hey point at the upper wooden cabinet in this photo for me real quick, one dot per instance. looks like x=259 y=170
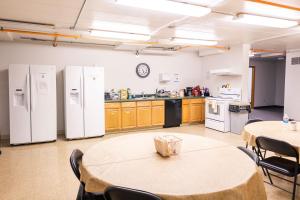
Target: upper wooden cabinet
x=128 y=115
x=112 y=116
x=158 y=113
x=143 y=114
x=193 y=110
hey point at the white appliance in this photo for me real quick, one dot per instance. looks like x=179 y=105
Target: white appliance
x=32 y=103
x=84 y=102
x=217 y=115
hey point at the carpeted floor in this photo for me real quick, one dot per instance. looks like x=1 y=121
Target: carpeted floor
x=271 y=113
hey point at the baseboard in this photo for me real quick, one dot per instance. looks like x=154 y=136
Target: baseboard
x=271 y=106
x=6 y=136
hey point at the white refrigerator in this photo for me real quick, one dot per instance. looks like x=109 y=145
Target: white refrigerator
x=32 y=103
x=84 y=101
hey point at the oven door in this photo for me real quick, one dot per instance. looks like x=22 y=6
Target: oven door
x=215 y=112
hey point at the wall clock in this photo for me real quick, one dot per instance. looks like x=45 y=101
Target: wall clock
x=142 y=70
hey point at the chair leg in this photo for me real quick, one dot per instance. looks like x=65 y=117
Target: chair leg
x=246 y=144
x=295 y=187
x=269 y=177
x=265 y=153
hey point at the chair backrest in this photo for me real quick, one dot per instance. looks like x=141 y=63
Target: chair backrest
x=253 y=121
x=277 y=146
x=121 y=193
x=250 y=153
x=75 y=159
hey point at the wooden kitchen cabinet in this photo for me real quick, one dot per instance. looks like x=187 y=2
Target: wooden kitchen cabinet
x=128 y=115
x=112 y=116
x=185 y=118
x=144 y=114
x=158 y=113
x=193 y=110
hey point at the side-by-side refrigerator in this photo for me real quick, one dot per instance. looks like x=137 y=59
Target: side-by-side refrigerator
x=84 y=101
x=32 y=103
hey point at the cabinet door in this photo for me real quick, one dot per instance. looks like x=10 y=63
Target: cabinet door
x=158 y=115
x=143 y=116
x=112 y=119
x=128 y=117
x=185 y=113
x=203 y=112
x=196 y=112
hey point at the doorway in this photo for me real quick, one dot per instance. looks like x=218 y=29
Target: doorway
x=266 y=88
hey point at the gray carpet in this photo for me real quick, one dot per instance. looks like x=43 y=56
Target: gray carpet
x=267 y=113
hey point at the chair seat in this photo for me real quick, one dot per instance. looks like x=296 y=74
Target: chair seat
x=280 y=165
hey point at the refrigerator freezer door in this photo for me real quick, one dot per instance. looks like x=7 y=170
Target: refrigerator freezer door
x=43 y=103
x=74 y=102
x=19 y=104
x=93 y=101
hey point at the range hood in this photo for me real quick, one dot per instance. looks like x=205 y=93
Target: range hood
x=224 y=72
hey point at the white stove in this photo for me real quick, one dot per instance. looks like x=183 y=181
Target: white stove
x=217 y=115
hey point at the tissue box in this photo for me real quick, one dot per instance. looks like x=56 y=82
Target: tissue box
x=167 y=145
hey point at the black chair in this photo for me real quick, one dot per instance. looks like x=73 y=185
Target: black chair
x=121 y=193
x=279 y=164
x=251 y=154
x=75 y=159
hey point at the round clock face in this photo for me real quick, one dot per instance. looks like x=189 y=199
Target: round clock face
x=142 y=70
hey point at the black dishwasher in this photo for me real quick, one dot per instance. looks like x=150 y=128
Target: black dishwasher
x=173 y=109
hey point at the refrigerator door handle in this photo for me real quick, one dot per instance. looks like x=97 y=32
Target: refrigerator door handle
x=27 y=91
x=32 y=94
x=81 y=92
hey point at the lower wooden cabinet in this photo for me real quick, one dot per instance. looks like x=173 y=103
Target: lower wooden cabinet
x=128 y=115
x=185 y=111
x=158 y=113
x=112 y=116
x=144 y=114
x=193 y=110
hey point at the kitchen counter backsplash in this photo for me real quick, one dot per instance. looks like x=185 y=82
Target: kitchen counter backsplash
x=151 y=99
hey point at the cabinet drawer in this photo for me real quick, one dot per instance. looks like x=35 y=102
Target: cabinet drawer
x=185 y=101
x=197 y=100
x=158 y=103
x=112 y=105
x=128 y=105
x=143 y=103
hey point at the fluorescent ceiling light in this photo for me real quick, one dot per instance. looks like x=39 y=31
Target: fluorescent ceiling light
x=168 y=6
x=182 y=41
x=265 y=21
x=195 y=35
x=269 y=10
x=209 y=3
x=123 y=36
x=120 y=27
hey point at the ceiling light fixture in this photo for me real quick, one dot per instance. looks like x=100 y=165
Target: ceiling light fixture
x=182 y=41
x=120 y=27
x=167 y=6
x=195 y=35
x=259 y=7
x=265 y=21
x=122 y=36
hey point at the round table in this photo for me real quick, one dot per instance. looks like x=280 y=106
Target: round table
x=205 y=169
x=272 y=129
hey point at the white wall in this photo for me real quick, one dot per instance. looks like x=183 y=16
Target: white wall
x=119 y=70
x=269 y=82
x=237 y=58
x=292 y=87
x=280 y=83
